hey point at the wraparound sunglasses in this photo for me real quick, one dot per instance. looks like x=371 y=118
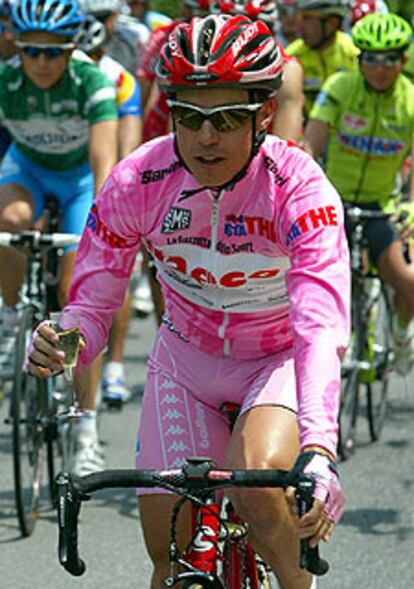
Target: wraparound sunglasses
x=224 y=118
x=50 y=51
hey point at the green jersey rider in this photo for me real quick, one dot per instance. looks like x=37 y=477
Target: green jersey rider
x=62 y=116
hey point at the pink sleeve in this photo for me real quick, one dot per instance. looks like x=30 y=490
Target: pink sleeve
x=105 y=260
x=318 y=285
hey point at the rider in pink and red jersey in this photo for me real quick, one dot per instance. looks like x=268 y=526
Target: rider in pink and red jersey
x=248 y=238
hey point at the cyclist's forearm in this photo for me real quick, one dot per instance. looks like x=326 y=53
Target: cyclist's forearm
x=130 y=135
x=103 y=150
x=316 y=137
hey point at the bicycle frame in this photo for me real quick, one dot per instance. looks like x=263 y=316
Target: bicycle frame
x=219 y=546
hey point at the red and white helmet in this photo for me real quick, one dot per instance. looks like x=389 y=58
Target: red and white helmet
x=220 y=51
x=361 y=8
x=265 y=10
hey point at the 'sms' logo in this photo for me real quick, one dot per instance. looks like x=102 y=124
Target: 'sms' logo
x=176 y=219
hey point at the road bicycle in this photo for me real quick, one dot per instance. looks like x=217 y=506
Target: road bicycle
x=219 y=555
x=368 y=362
x=36 y=405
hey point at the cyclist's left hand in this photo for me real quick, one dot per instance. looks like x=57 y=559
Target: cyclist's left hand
x=318 y=523
x=404 y=219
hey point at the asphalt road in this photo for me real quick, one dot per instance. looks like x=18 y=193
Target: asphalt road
x=373 y=547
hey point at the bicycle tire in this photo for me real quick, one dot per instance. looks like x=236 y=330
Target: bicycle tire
x=350 y=383
x=348 y=413
x=27 y=409
x=50 y=435
x=377 y=390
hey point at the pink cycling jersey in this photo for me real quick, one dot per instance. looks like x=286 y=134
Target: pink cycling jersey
x=246 y=272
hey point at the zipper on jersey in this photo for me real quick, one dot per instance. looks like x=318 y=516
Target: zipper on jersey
x=214 y=232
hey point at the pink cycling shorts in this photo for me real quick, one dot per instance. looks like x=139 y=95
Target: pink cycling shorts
x=186 y=387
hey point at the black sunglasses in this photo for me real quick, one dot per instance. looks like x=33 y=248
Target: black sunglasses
x=224 y=118
x=33 y=50
x=387 y=59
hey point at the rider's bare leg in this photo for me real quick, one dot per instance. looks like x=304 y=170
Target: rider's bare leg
x=395 y=271
x=268 y=437
x=265 y=437
x=155 y=512
x=16 y=213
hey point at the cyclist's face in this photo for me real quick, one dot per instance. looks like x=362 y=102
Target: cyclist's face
x=215 y=157
x=311 y=29
x=138 y=8
x=43 y=71
x=381 y=77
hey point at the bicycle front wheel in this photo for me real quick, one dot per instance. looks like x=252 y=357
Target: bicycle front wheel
x=27 y=412
x=377 y=390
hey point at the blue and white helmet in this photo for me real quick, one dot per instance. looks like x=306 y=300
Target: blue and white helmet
x=60 y=17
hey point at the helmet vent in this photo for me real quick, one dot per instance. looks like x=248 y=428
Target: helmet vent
x=205 y=41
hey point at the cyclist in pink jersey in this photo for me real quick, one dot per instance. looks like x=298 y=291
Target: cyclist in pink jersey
x=248 y=238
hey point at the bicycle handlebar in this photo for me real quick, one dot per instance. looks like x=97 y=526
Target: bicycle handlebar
x=355 y=213
x=71 y=492
x=37 y=240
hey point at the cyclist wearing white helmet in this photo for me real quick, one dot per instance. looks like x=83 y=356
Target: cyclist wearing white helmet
x=323 y=48
x=248 y=238
x=61 y=114
x=126 y=37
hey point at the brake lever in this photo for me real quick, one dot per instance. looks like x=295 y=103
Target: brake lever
x=69 y=502
x=309 y=557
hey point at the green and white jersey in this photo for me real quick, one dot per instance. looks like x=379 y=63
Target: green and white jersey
x=51 y=127
x=371 y=133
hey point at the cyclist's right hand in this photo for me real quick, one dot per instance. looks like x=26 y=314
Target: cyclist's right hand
x=43 y=358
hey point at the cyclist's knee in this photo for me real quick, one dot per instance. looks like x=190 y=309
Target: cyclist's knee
x=16 y=216
x=16 y=208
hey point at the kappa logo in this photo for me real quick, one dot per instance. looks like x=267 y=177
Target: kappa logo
x=176 y=220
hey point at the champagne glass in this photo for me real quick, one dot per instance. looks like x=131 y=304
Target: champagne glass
x=67 y=326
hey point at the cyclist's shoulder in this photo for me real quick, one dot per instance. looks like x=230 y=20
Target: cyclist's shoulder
x=113 y=69
x=344 y=42
x=339 y=82
x=299 y=181
x=152 y=162
x=85 y=71
x=155 y=20
x=130 y=30
x=11 y=71
x=287 y=159
x=297 y=48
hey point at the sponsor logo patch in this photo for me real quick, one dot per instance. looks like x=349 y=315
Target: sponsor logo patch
x=176 y=220
x=312 y=219
x=149 y=176
x=243 y=225
x=379 y=146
